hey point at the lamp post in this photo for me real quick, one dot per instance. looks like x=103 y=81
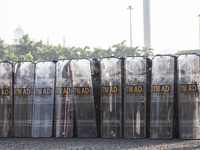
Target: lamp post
x=199 y=30
x=130 y=8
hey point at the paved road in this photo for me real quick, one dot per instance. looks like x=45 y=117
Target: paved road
x=99 y=144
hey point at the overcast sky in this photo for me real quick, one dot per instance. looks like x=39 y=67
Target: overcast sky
x=103 y=23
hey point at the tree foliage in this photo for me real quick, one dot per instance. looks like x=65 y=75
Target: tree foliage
x=29 y=50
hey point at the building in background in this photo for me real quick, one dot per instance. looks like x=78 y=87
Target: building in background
x=18 y=34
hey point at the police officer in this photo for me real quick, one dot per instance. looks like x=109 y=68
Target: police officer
x=96 y=89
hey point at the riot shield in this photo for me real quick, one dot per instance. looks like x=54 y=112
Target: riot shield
x=162 y=97
x=64 y=110
x=43 y=99
x=135 y=97
x=6 y=99
x=188 y=96
x=23 y=98
x=83 y=98
x=111 y=98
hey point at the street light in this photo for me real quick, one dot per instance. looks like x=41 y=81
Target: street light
x=130 y=8
x=199 y=30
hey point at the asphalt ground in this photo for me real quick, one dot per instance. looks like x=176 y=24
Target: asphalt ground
x=96 y=144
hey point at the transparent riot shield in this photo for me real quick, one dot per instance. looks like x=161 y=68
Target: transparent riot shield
x=23 y=98
x=111 y=99
x=83 y=98
x=188 y=96
x=64 y=110
x=6 y=99
x=135 y=97
x=162 y=97
x=43 y=99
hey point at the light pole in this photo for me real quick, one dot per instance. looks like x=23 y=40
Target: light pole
x=130 y=8
x=199 y=30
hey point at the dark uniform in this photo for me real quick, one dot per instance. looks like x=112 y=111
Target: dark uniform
x=96 y=89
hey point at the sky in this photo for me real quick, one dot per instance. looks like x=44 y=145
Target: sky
x=103 y=23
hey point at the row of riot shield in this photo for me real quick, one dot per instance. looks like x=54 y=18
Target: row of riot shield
x=35 y=110
x=109 y=98
x=175 y=97
x=33 y=99
x=30 y=113
x=125 y=85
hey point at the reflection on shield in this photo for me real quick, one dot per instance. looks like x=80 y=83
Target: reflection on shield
x=135 y=97
x=162 y=97
x=83 y=98
x=64 y=110
x=43 y=99
x=23 y=98
x=188 y=96
x=6 y=100
x=111 y=98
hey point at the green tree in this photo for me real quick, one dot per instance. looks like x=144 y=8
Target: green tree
x=147 y=51
x=132 y=51
x=11 y=57
x=28 y=57
x=83 y=52
x=25 y=46
x=2 y=49
x=98 y=53
x=121 y=50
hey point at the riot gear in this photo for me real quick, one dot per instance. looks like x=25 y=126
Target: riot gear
x=188 y=96
x=6 y=100
x=111 y=98
x=64 y=110
x=83 y=98
x=23 y=98
x=135 y=97
x=162 y=97
x=43 y=99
